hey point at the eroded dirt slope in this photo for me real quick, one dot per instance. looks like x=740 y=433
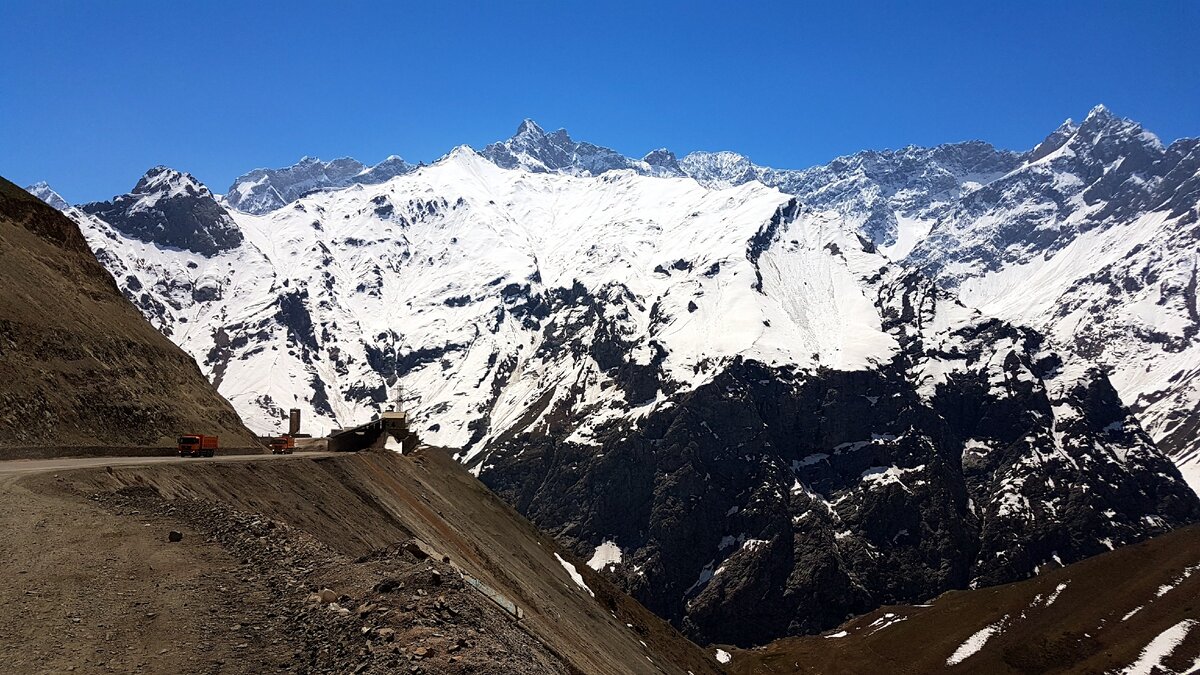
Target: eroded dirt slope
x=79 y=366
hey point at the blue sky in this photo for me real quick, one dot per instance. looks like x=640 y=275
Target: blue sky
x=93 y=94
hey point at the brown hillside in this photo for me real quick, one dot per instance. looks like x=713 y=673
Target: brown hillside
x=1098 y=615
x=365 y=510
x=79 y=366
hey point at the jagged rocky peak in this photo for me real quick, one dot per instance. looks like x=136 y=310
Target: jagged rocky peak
x=662 y=162
x=264 y=190
x=1054 y=141
x=171 y=208
x=533 y=149
x=913 y=175
x=1108 y=163
x=874 y=191
x=529 y=129
x=389 y=168
x=1094 y=229
x=1104 y=143
x=1103 y=138
x=44 y=192
x=719 y=169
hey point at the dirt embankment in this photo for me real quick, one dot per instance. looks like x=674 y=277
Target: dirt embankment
x=1096 y=616
x=401 y=544
x=79 y=366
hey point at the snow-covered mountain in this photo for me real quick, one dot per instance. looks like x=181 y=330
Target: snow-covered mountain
x=1095 y=240
x=717 y=392
x=532 y=149
x=172 y=209
x=1090 y=237
x=892 y=197
x=264 y=190
x=44 y=192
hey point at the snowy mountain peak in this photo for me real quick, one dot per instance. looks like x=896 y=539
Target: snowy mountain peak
x=1102 y=126
x=165 y=180
x=662 y=162
x=529 y=128
x=459 y=154
x=532 y=149
x=44 y=192
x=1099 y=111
x=171 y=209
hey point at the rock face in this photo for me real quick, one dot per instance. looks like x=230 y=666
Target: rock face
x=1041 y=625
x=80 y=366
x=264 y=190
x=1093 y=241
x=760 y=408
x=770 y=502
x=172 y=209
x=532 y=149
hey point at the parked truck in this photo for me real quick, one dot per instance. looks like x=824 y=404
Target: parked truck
x=197 y=445
x=282 y=445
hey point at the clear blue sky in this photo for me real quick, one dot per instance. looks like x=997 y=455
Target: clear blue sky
x=94 y=93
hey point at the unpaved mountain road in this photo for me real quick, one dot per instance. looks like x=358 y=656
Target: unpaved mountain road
x=86 y=592
x=23 y=466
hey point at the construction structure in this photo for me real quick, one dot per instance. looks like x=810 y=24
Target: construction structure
x=379 y=432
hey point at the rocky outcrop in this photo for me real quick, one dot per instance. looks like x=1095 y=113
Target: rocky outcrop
x=170 y=208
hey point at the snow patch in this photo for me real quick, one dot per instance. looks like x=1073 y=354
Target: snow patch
x=574 y=574
x=1152 y=656
x=607 y=553
x=973 y=644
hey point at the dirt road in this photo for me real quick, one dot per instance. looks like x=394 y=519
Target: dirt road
x=86 y=592
x=24 y=466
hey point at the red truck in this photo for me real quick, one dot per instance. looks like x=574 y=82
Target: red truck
x=282 y=445
x=197 y=445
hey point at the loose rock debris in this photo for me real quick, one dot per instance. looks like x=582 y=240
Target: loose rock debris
x=394 y=610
